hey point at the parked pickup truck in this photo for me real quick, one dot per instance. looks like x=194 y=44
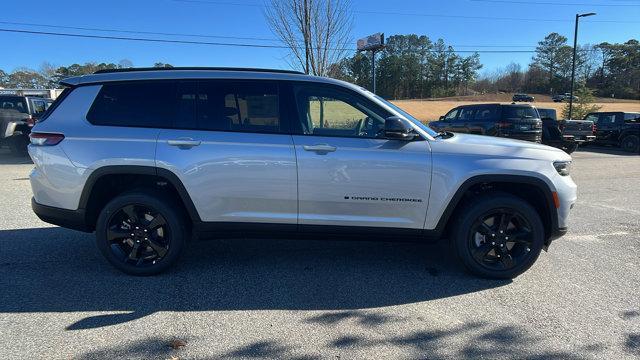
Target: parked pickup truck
x=564 y=134
x=17 y=116
x=617 y=128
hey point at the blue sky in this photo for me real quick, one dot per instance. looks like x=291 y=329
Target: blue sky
x=244 y=18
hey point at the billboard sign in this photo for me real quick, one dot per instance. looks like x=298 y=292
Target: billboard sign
x=371 y=42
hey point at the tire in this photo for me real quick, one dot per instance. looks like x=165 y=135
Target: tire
x=570 y=148
x=18 y=145
x=505 y=255
x=157 y=247
x=631 y=143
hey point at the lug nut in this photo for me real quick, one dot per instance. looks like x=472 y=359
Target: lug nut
x=528 y=249
x=493 y=243
x=506 y=238
x=500 y=231
x=501 y=245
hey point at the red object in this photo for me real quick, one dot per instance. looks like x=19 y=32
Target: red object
x=45 y=139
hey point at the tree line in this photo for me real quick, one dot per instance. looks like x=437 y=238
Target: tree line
x=48 y=76
x=412 y=66
x=611 y=70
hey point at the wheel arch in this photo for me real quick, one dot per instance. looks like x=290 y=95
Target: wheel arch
x=541 y=198
x=138 y=176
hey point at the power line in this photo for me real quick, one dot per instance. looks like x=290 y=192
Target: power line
x=552 y=3
x=138 y=32
x=400 y=13
x=207 y=35
x=189 y=42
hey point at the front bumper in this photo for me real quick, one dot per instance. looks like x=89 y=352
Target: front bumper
x=71 y=219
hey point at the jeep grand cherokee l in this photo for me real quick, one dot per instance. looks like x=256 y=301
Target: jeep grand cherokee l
x=151 y=159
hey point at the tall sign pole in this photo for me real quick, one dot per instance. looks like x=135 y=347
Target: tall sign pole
x=573 y=65
x=373 y=43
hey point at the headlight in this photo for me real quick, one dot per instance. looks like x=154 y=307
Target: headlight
x=563 y=167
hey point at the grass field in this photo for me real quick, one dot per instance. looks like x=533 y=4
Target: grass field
x=430 y=110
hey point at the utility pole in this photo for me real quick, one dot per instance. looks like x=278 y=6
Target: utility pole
x=573 y=66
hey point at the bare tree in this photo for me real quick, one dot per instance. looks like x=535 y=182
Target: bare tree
x=317 y=32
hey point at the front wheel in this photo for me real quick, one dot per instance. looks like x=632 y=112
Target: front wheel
x=141 y=233
x=631 y=143
x=498 y=236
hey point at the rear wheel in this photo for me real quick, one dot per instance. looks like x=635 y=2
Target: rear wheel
x=498 y=236
x=141 y=233
x=631 y=143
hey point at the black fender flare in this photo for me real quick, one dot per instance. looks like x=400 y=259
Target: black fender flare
x=160 y=173
x=491 y=178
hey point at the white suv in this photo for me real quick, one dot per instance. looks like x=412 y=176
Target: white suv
x=150 y=159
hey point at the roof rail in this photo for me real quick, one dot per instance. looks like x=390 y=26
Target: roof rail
x=106 y=71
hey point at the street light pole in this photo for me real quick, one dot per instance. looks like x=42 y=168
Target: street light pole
x=573 y=66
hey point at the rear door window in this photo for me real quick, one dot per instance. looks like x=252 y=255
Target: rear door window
x=485 y=113
x=135 y=104
x=238 y=106
x=466 y=114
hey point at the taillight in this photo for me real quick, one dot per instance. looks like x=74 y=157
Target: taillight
x=45 y=139
x=594 y=128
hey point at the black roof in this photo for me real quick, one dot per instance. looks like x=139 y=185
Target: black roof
x=280 y=71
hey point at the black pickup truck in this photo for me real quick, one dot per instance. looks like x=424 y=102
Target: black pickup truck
x=564 y=134
x=617 y=128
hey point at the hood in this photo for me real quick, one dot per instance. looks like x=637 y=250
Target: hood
x=491 y=146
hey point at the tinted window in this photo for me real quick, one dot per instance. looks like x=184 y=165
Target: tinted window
x=13 y=103
x=607 y=119
x=141 y=104
x=466 y=114
x=39 y=107
x=328 y=112
x=519 y=112
x=228 y=106
x=631 y=117
x=485 y=113
x=547 y=113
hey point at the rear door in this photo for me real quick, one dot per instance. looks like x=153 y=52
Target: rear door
x=232 y=150
x=348 y=173
x=484 y=120
x=464 y=121
x=607 y=126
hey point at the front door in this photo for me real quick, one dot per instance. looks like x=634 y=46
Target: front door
x=348 y=173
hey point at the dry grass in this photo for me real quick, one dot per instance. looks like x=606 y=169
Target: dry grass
x=430 y=110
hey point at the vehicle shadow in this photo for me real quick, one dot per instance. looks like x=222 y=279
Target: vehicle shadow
x=603 y=149
x=59 y=270
x=7 y=158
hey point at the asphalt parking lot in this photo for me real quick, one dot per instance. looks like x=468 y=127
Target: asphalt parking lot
x=341 y=300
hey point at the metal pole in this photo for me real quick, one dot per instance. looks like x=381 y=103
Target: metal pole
x=573 y=67
x=373 y=70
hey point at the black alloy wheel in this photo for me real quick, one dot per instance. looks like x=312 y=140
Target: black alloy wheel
x=500 y=239
x=142 y=232
x=138 y=235
x=497 y=235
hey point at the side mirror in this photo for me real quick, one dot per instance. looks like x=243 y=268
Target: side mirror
x=442 y=118
x=396 y=128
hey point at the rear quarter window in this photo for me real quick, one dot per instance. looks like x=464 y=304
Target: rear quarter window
x=135 y=104
x=519 y=112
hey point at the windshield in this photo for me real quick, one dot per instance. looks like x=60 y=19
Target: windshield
x=407 y=116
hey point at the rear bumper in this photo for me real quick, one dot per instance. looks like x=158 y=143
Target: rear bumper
x=71 y=219
x=534 y=136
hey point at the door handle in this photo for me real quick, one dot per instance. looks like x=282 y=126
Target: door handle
x=320 y=148
x=184 y=143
